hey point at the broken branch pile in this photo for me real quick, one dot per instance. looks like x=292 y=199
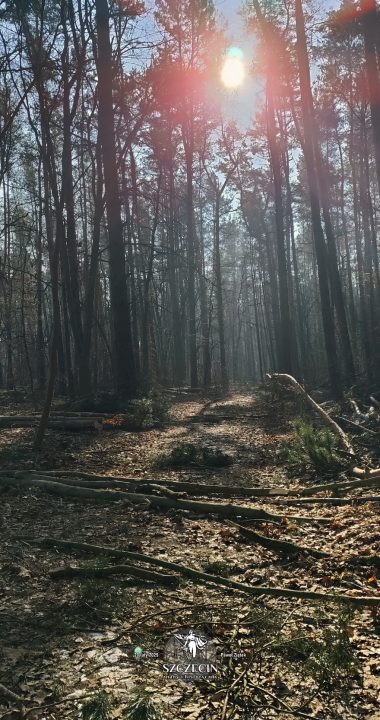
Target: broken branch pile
x=98 y=488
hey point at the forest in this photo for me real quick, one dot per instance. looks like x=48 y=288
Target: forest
x=189 y=359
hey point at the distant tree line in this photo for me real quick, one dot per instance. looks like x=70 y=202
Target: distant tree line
x=147 y=241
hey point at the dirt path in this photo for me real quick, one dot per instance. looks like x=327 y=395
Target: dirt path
x=62 y=641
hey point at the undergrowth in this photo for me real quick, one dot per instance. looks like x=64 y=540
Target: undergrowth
x=186 y=453
x=182 y=454
x=217 y=567
x=96 y=708
x=99 y=600
x=311 y=446
x=141 y=706
x=328 y=655
x=147 y=412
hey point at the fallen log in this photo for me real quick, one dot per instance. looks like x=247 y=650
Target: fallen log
x=203 y=489
x=67 y=573
x=54 y=422
x=154 y=501
x=75 y=414
x=69 y=479
x=255 y=591
x=187 y=487
x=108 y=484
x=170 y=492
x=284 y=377
x=63 y=490
x=87 y=480
x=336 y=429
x=366 y=474
x=278 y=546
x=326 y=500
x=342 y=485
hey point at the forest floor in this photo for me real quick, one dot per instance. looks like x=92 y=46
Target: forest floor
x=64 y=640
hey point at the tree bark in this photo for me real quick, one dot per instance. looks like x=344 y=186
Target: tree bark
x=370 y=29
x=311 y=160
x=219 y=295
x=191 y=263
x=285 y=330
x=124 y=366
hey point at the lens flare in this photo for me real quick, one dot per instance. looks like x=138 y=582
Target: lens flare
x=235 y=52
x=233 y=71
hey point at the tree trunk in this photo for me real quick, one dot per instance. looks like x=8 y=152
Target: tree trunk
x=364 y=326
x=219 y=295
x=70 y=248
x=179 y=364
x=124 y=366
x=307 y=108
x=92 y=274
x=370 y=30
x=285 y=331
x=191 y=266
x=204 y=313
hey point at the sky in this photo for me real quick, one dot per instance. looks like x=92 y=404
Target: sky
x=242 y=103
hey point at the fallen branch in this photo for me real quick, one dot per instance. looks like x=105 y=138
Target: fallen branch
x=364 y=416
x=336 y=429
x=189 y=488
x=70 y=572
x=257 y=590
x=327 y=500
x=360 y=428
x=371 y=560
x=172 y=488
x=104 y=481
x=285 y=708
x=284 y=377
x=366 y=474
x=79 y=481
x=63 y=490
x=153 y=501
x=343 y=485
x=278 y=546
x=76 y=414
x=10 y=695
x=72 y=698
x=374 y=401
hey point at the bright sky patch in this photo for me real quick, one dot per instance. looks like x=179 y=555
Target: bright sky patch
x=233 y=71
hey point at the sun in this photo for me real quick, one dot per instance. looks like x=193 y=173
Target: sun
x=233 y=71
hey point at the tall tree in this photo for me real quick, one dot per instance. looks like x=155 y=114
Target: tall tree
x=124 y=365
